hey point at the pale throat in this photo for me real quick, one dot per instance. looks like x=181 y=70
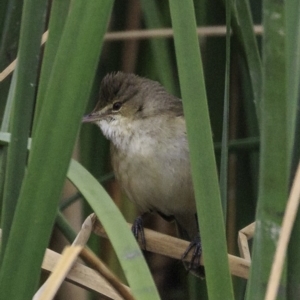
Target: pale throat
x=127 y=136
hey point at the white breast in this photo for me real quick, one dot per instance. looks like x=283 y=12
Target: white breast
x=151 y=163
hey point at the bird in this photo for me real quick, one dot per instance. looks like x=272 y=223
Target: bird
x=149 y=153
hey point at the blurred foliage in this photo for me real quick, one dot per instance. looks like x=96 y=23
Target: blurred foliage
x=155 y=58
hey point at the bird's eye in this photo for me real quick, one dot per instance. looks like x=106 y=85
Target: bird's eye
x=117 y=106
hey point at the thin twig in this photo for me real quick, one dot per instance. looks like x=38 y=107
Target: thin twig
x=141 y=34
x=48 y=290
x=66 y=261
x=94 y=262
x=244 y=235
x=9 y=69
x=168 y=33
x=82 y=276
x=173 y=247
x=284 y=237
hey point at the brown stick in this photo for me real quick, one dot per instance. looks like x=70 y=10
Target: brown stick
x=52 y=284
x=245 y=234
x=173 y=247
x=141 y=34
x=82 y=276
x=94 y=262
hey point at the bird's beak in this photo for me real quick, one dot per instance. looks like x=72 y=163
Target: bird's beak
x=92 y=117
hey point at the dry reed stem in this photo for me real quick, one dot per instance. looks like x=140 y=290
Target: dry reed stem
x=91 y=259
x=173 y=247
x=82 y=276
x=140 y=34
x=284 y=237
x=61 y=270
x=85 y=232
x=59 y=273
x=48 y=290
x=244 y=235
x=94 y=262
x=9 y=69
x=168 y=33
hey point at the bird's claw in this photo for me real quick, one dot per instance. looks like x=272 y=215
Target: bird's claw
x=138 y=231
x=196 y=245
x=194 y=264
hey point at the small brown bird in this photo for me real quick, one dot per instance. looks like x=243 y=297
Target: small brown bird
x=149 y=152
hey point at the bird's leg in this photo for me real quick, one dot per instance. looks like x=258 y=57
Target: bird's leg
x=138 y=230
x=194 y=265
x=196 y=245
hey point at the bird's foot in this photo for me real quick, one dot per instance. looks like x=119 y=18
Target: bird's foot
x=194 y=265
x=138 y=231
x=196 y=245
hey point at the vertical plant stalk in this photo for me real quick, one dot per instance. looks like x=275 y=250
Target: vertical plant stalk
x=293 y=265
x=160 y=49
x=3 y=150
x=243 y=27
x=203 y=164
x=23 y=100
x=58 y=15
x=65 y=98
x=224 y=151
x=293 y=65
x=10 y=16
x=293 y=112
x=273 y=181
x=285 y=233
